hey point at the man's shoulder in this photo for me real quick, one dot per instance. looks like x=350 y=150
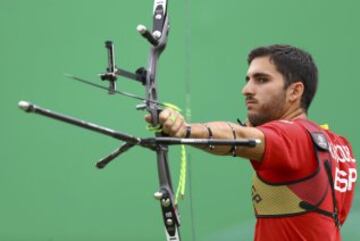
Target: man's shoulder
x=286 y=126
x=285 y=133
x=295 y=131
x=302 y=124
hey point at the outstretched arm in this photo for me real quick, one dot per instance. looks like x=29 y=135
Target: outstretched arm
x=173 y=124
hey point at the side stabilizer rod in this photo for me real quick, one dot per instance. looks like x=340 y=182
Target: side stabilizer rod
x=106 y=160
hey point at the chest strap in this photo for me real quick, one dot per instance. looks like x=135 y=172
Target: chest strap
x=309 y=194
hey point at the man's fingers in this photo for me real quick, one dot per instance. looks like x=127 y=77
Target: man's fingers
x=173 y=124
x=179 y=122
x=171 y=121
x=181 y=132
x=164 y=115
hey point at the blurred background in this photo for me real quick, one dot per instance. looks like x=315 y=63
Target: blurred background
x=50 y=189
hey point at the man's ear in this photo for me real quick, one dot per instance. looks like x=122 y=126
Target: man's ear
x=295 y=91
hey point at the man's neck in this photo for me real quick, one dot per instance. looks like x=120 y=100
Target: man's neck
x=293 y=114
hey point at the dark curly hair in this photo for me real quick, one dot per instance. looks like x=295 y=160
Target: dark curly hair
x=295 y=65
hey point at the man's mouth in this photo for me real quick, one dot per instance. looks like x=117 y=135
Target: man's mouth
x=250 y=102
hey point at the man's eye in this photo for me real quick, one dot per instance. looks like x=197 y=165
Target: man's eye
x=262 y=80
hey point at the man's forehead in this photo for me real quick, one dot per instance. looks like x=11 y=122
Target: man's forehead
x=262 y=65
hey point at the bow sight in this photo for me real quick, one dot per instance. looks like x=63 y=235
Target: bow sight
x=159 y=144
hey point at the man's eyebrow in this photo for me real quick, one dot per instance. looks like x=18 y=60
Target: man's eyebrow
x=257 y=75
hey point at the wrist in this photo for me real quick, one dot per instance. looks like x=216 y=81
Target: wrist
x=187 y=131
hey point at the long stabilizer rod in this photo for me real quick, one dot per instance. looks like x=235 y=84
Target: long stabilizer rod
x=132 y=140
x=31 y=108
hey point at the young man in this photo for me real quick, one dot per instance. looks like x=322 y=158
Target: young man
x=304 y=174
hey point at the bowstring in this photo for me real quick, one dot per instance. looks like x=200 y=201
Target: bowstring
x=187 y=23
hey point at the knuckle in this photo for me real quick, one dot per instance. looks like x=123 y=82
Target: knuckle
x=164 y=114
x=166 y=125
x=165 y=129
x=174 y=129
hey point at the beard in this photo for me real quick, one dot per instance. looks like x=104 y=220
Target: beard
x=267 y=112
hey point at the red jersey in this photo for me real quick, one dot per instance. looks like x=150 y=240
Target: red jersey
x=289 y=156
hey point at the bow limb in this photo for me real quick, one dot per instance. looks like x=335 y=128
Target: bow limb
x=165 y=193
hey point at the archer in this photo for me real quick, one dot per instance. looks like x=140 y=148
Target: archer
x=304 y=178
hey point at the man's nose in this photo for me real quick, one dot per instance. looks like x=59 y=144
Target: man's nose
x=248 y=89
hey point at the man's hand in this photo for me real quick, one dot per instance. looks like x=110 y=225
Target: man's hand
x=172 y=122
